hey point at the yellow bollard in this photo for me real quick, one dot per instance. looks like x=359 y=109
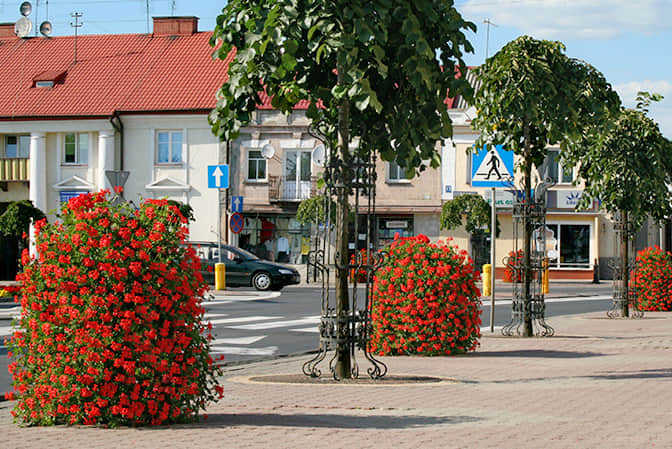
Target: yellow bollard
x=487 y=273
x=544 y=278
x=220 y=276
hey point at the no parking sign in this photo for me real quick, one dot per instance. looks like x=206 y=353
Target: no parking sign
x=236 y=223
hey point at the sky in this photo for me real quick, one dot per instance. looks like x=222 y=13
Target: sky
x=630 y=42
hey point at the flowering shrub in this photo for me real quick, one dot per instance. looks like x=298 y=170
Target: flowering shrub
x=514 y=260
x=361 y=272
x=425 y=300
x=653 y=279
x=111 y=331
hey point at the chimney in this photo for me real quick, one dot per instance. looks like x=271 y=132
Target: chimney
x=7 y=31
x=185 y=25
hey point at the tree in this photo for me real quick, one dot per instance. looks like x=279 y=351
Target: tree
x=629 y=172
x=314 y=210
x=368 y=69
x=16 y=220
x=473 y=209
x=533 y=96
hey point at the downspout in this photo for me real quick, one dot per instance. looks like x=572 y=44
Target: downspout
x=119 y=127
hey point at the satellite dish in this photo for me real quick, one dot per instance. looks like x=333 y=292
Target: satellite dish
x=268 y=151
x=23 y=26
x=26 y=8
x=318 y=155
x=45 y=28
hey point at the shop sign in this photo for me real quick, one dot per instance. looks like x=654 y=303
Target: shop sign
x=568 y=199
x=398 y=224
x=504 y=198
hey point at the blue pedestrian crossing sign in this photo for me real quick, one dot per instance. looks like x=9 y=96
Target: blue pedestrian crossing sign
x=237 y=204
x=492 y=167
x=218 y=176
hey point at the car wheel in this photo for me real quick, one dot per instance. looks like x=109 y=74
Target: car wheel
x=261 y=281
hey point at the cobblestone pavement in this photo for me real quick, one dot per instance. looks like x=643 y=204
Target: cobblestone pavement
x=598 y=383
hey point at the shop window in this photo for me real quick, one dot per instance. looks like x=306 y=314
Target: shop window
x=17 y=146
x=568 y=245
x=277 y=238
x=388 y=227
x=256 y=166
x=169 y=147
x=558 y=172
x=76 y=149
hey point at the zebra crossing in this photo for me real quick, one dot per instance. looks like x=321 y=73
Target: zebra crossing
x=252 y=345
x=222 y=325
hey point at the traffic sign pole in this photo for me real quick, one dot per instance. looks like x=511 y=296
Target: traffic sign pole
x=493 y=233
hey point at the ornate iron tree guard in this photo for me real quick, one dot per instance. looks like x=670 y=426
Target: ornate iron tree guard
x=625 y=290
x=353 y=329
x=531 y=303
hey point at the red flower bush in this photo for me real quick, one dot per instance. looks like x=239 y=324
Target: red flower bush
x=359 y=274
x=111 y=331
x=653 y=279
x=510 y=272
x=425 y=300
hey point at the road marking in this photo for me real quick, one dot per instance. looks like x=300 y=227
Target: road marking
x=312 y=329
x=241 y=298
x=486 y=300
x=242 y=319
x=6 y=331
x=236 y=341
x=231 y=350
x=276 y=324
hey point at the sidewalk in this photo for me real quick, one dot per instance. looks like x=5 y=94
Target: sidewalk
x=598 y=383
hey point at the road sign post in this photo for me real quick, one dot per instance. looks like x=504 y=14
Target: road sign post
x=218 y=178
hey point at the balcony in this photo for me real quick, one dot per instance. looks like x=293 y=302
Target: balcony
x=282 y=189
x=14 y=169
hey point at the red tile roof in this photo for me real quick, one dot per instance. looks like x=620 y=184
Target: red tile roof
x=131 y=73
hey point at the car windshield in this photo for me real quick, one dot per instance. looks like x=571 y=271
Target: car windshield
x=244 y=254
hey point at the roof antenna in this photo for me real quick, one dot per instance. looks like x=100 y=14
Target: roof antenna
x=487 y=35
x=76 y=25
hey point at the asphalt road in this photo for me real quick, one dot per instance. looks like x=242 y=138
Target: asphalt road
x=283 y=323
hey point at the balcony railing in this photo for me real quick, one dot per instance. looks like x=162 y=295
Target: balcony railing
x=14 y=169
x=285 y=189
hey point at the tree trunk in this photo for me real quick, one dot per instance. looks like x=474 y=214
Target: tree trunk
x=343 y=364
x=527 y=237
x=625 y=273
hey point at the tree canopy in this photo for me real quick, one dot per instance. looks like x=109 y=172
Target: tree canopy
x=631 y=169
x=533 y=96
x=17 y=218
x=385 y=53
x=473 y=209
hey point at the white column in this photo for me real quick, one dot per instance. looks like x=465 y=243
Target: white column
x=38 y=171
x=38 y=177
x=105 y=157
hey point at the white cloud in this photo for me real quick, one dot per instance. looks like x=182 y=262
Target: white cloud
x=574 y=19
x=661 y=111
x=628 y=91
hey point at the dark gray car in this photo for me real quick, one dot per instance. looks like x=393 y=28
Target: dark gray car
x=244 y=269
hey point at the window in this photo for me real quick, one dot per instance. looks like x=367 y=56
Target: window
x=17 y=146
x=169 y=147
x=256 y=166
x=556 y=171
x=395 y=172
x=76 y=149
x=568 y=245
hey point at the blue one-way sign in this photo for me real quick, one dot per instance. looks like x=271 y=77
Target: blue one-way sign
x=237 y=204
x=218 y=176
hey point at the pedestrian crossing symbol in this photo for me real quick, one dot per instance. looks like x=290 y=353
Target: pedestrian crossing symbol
x=492 y=167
